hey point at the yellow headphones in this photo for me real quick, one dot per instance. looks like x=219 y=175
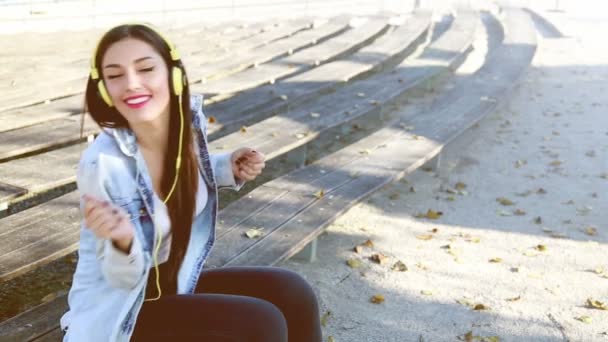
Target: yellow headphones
x=177 y=86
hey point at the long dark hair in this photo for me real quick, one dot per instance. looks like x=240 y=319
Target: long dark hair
x=181 y=205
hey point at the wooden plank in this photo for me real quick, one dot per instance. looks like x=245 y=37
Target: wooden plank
x=34 y=323
x=345 y=43
x=39 y=137
x=8 y=192
x=55 y=335
x=39 y=235
x=230 y=217
x=43 y=171
x=27 y=116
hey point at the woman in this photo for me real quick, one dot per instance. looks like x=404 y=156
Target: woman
x=149 y=199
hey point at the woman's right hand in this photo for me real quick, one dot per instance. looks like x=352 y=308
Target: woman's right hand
x=108 y=221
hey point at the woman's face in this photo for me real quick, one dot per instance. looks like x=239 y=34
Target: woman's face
x=136 y=76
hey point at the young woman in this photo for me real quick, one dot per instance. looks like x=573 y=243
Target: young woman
x=149 y=199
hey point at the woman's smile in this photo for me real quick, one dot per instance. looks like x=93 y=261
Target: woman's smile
x=137 y=101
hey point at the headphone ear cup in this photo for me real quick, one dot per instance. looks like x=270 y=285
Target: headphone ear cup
x=178 y=81
x=103 y=92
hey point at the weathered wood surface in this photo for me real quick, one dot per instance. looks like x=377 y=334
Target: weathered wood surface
x=35 y=323
x=299 y=61
x=267 y=100
x=286 y=131
x=269 y=51
x=360 y=169
x=43 y=136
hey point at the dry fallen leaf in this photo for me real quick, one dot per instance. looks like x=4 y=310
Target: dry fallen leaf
x=504 y=201
x=365 y=151
x=514 y=299
x=331 y=339
x=430 y=214
x=353 y=263
x=244 y=129
x=212 y=120
x=538 y=220
x=319 y=194
x=325 y=317
x=254 y=233
x=479 y=307
x=460 y=186
x=358 y=249
x=495 y=260
x=377 y=299
x=368 y=243
x=541 y=248
x=426 y=292
x=379 y=258
x=592 y=231
x=584 y=319
x=399 y=266
x=596 y=304
x=519 y=212
x=424 y=237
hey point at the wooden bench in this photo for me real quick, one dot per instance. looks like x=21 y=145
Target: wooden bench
x=66 y=160
x=64 y=240
x=249 y=106
x=35 y=138
x=287 y=208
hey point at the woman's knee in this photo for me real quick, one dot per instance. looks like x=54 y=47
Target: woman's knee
x=298 y=286
x=265 y=322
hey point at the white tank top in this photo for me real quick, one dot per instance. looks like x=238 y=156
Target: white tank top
x=163 y=223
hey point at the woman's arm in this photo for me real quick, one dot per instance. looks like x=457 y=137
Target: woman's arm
x=117 y=248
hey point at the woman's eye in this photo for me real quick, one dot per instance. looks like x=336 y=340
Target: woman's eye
x=111 y=77
x=147 y=69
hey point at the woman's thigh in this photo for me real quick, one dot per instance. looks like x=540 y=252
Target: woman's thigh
x=287 y=290
x=211 y=318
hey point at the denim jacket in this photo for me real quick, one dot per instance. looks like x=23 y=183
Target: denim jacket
x=104 y=301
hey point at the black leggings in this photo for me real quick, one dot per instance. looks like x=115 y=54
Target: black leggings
x=233 y=304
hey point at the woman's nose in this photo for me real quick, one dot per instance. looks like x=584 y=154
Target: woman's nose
x=133 y=80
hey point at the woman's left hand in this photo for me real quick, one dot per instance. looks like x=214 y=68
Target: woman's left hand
x=247 y=163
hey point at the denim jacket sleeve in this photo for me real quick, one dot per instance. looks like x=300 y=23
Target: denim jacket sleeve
x=220 y=162
x=119 y=269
